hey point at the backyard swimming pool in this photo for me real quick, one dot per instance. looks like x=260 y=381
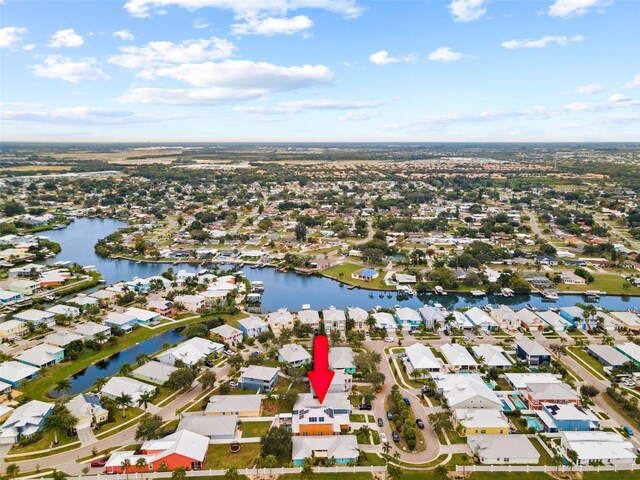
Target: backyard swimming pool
x=518 y=403
x=505 y=406
x=531 y=423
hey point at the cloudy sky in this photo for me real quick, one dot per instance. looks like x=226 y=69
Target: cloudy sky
x=320 y=70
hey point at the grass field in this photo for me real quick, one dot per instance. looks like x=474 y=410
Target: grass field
x=588 y=359
x=37 y=168
x=343 y=274
x=254 y=429
x=219 y=456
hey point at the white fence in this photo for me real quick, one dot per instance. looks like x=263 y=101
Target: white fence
x=546 y=468
x=219 y=473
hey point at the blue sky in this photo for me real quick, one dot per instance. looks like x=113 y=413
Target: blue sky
x=320 y=70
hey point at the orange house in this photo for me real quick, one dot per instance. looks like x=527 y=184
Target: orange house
x=319 y=421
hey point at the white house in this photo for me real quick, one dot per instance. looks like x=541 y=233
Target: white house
x=293 y=355
x=118 y=386
x=420 y=357
x=466 y=391
x=458 y=357
x=227 y=334
x=25 y=421
x=190 y=351
x=503 y=449
x=481 y=319
x=89 y=330
x=599 y=446
x=252 y=326
x=36 y=317
x=491 y=356
x=385 y=321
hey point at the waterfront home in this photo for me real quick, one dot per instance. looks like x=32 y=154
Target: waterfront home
x=539 y=393
x=365 y=274
x=481 y=319
x=432 y=317
x=530 y=320
x=554 y=320
x=519 y=381
x=628 y=320
x=118 y=386
x=143 y=317
x=310 y=318
x=458 y=357
x=607 y=355
x=226 y=334
x=25 y=421
x=385 y=321
x=481 y=421
x=256 y=377
x=90 y=330
x=460 y=320
x=14 y=373
x=36 y=317
x=503 y=449
x=341 y=360
x=24 y=287
x=359 y=317
x=161 y=306
x=408 y=318
x=342 y=448
x=83 y=300
x=88 y=409
x=293 y=355
x=319 y=420
x=180 y=449
x=532 y=352
x=65 y=310
x=565 y=417
x=243 y=406
x=9 y=298
x=26 y=270
x=191 y=303
x=466 y=391
x=214 y=428
x=491 y=355
x=505 y=317
x=105 y=297
x=120 y=320
x=154 y=372
x=41 y=356
x=13 y=328
x=252 y=326
x=574 y=315
x=631 y=351
x=420 y=357
x=334 y=319
x=280 y=319
x=190 y=352
x=63 y=338
x=609 y=448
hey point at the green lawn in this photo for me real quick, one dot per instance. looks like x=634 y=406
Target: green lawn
x=254 y=429
x=588 y=359
x=545 y=458
x=357 y=417
x=219 y=456
x=45 y=443
x=328 y=476
x=343 y=273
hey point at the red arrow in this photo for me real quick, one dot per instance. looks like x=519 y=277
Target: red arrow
x=320 y=376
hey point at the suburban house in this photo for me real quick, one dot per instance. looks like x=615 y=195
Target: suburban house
x=458 y=357
x=532 y=352
x=118 y=386
x=530 y=320
x=190 y=352
x=25 y=287
x=609 y=448
x=104 y=297
x=491 y=355
x=467 y=392
x=481 y=421
x=66 y=310
x=36 y=317
x=14 y=373
x=343 y=448
x=341 y=360
x=432 y=317
x=90 y=330
x=566 y=417
x=420 y=357
x=191 y=303
x=9 y=298
x=42 y=355
x=628 y=320
x=237 y=405
x=120 y=320
x=631 y=351
x=553 y=320
x=520 y=381
x=83 y=300
x=319 y=421
x=13 y=328
x=365 y=274
x=539 y=393
x=503 y=449
x=88 y=409
x=214 y=428
x=180 y=449
x=607 y=355
x=256 y=377
x=293 y=355
x=309 y=317
x=460 y=320
x=574 y=315
x=227 y=334
x=154 y=372
x=385 y=321
x=252 y=326
x=63 y=338
x=280 y=319
x=359 y=317
x=163 y=307
x=340 y=383
x=505 y=317
x=481 y=319
x=334 y=319
x=408 y=318
x=25 y=421
x=143 y=317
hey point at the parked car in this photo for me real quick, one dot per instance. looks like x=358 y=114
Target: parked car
x=380 y=422
x=424 y=389
x=395 y=435
x=406 y=401
x=420 y=424
x=208 y=363
x=98 y=463
x=627 y=430
x=389 y=414
x=365 y=406
x=402 y=355
x=255 y=352
x=383 y=438
x=389 y=340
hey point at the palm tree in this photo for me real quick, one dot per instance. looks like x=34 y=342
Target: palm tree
x=142 y=359
x=396 y=455
x=63 y=386
x=100 y=337
x=364 y=431
x=464 y=458
x=125 y=369
x=59 y=419
x=307 y=468
x=145 y=399
x=140 y=464
x=99 y=383
x=126 y=463
x=124 y=401
x=386 y=448
x=441 y=472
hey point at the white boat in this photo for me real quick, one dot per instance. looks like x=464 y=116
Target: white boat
x=306 y=306
x=550 y=295
x=439 y=290
x=507 y=292
x=477 y=293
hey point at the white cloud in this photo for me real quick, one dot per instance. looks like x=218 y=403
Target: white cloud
x=81 y=115
x=467 y=10
x=618 y=98
x=11 y=36
x=162 y=53
x=445 y=54
x=316 y=104
x=590 y=89
x=124 y=35
x=383 y=58
x=356 y=116
x=66 y=38
x=200 y=23
x=543 y=42
x=272 y=26
x=574 y=8
x=29 y=47
x=635 y=83
x=349 y=8
x=64 y=68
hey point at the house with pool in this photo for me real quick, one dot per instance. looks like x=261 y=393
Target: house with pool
x=566 y=417
x=408 y=318
x=343 y=448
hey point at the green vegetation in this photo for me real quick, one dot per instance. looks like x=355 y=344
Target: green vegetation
x=219 y=456
x=254 y=429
